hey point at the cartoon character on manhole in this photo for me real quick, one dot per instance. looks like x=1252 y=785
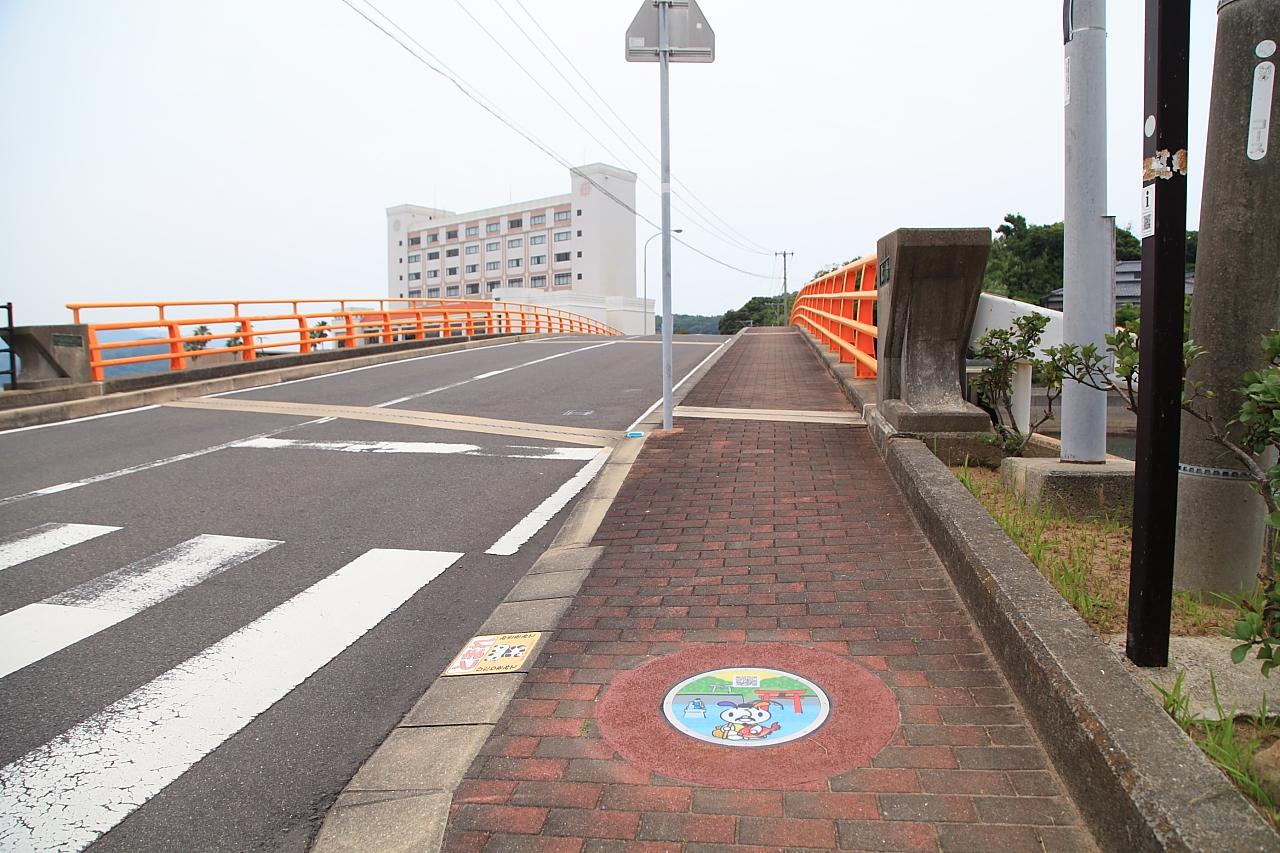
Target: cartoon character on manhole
x=746 y=706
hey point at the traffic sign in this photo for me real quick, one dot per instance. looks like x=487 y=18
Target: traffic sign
x=691 y=37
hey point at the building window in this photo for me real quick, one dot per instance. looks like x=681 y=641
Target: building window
x=537 y=239
x=433 y=256
x=564 y=278
x=413 y=259
x=473 y=230
x=473 y=268
x=473 y=249
x=493 y=245
x=515 y=282
x=515 y=243
x=562 y=216
x=493 y=285
x=400 y=260
x=562 y=256
x=401 y=242
x=451 y=253
x=452 y=290
x=561 y=236
x=493 y=265
x=579 y=253
x=431 y=238
x=579 y=276
x=451 y=271
x=473 y=288
x=415 y=276
x=414 y=294
x=402 y=278
x=537 y=259
x=514 y=263
x=414 y=241
x=579 y=233
x=514 y=223
x=492 y=227
x=433 y=273
x=539 y=219
x=579 y=211
x=451 y=235
x=433 y=293
x=537 y=281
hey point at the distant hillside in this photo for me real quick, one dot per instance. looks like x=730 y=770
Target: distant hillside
x=117 y=371
x=693 y=324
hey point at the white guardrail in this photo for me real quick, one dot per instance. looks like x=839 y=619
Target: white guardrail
x=998 y=312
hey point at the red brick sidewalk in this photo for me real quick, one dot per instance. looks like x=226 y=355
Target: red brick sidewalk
x=762 y=532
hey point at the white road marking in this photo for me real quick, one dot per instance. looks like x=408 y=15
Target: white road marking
x=578 y=454
x=34 y=632
x=527 y=527
x=62 y=796
x=47 y=539
x=146 y=466
x=492 y=373
x=79 y=420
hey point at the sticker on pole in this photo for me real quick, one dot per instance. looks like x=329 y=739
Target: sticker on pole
x=494 y=653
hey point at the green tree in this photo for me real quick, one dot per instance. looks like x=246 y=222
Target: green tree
x=758 y=311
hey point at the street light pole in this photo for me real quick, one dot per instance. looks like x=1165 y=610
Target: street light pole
x=645 y=298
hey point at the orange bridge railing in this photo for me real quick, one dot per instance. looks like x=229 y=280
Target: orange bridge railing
x=185 y=333
x=839 y=308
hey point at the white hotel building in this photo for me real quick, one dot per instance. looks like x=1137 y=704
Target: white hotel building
x=575 y=251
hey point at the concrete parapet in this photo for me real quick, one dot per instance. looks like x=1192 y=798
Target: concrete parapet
x=50 y=355
x=929 y=282
x=1073 y=489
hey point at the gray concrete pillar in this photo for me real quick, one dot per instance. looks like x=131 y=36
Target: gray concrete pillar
x=1237 y=299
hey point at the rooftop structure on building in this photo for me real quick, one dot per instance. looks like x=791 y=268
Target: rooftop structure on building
x=575 y=251
x=1128 y=286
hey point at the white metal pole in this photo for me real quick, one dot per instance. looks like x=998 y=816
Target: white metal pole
x=668 y=318
x=1089 y=251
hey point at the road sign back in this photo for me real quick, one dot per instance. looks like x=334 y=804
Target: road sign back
x=690 y=36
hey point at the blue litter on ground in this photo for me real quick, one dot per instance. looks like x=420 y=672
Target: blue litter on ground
x=635 y=435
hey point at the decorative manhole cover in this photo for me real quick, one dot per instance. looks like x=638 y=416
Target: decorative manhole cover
x=746 y=706
x=730 y=715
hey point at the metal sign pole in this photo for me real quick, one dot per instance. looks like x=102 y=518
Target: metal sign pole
x=668 y=318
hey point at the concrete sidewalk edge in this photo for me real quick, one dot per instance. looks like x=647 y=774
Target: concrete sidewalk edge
x=399 y=799
x=1138 y=780
x=49 y=413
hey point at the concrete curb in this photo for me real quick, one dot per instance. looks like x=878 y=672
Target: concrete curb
x=121 y=401
x=1140 y=783
x=399 y=799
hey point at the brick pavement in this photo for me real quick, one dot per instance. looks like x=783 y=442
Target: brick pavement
x=763 y=532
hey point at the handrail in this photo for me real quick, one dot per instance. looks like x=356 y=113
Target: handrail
x=310 y=324
x=839 y=307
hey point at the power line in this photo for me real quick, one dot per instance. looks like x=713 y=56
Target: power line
x=710 y=227
x=624 y=124
x=467 y=90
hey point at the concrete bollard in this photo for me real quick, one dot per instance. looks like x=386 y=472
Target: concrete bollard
x=50 y=355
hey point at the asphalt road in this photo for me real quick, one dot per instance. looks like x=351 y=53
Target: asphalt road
x=203 y=678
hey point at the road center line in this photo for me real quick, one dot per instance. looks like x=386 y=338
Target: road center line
x=67 y=793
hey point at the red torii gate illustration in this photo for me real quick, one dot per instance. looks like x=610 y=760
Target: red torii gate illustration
x=796 y=697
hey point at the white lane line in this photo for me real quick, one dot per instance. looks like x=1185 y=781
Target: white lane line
x=425 y=447
x=527 y=527
x=46 y=539
x=34 y=632
x=65 y=794
x=146 y=466
x=79 y=420
x=492 y=373
x=676 y=387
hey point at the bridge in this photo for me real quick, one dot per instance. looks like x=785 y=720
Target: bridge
x=235 y=593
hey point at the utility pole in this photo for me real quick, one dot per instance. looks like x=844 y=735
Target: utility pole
x=1088 y=272
x=1163 y=229
x=784 y=286
x=1220 y=517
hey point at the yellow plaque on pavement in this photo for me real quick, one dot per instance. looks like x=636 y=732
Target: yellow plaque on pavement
x=494 y=653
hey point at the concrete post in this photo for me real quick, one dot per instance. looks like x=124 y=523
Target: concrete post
x=1237 y=299
x=1088 y=303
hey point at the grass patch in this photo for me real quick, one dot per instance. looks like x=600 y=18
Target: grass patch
x=1087 y=560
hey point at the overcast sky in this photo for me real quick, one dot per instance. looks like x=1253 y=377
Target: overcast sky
x=178 y=149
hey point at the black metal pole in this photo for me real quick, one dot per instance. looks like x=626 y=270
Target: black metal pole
x=1163 y=229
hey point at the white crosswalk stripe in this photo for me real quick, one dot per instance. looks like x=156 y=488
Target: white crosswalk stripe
x=46 y=539
x=37 y=630
x=65 y=794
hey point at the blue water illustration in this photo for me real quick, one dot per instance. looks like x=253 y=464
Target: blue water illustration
x=701 y=712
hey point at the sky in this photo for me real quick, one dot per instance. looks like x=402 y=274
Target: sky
x=173 y=149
